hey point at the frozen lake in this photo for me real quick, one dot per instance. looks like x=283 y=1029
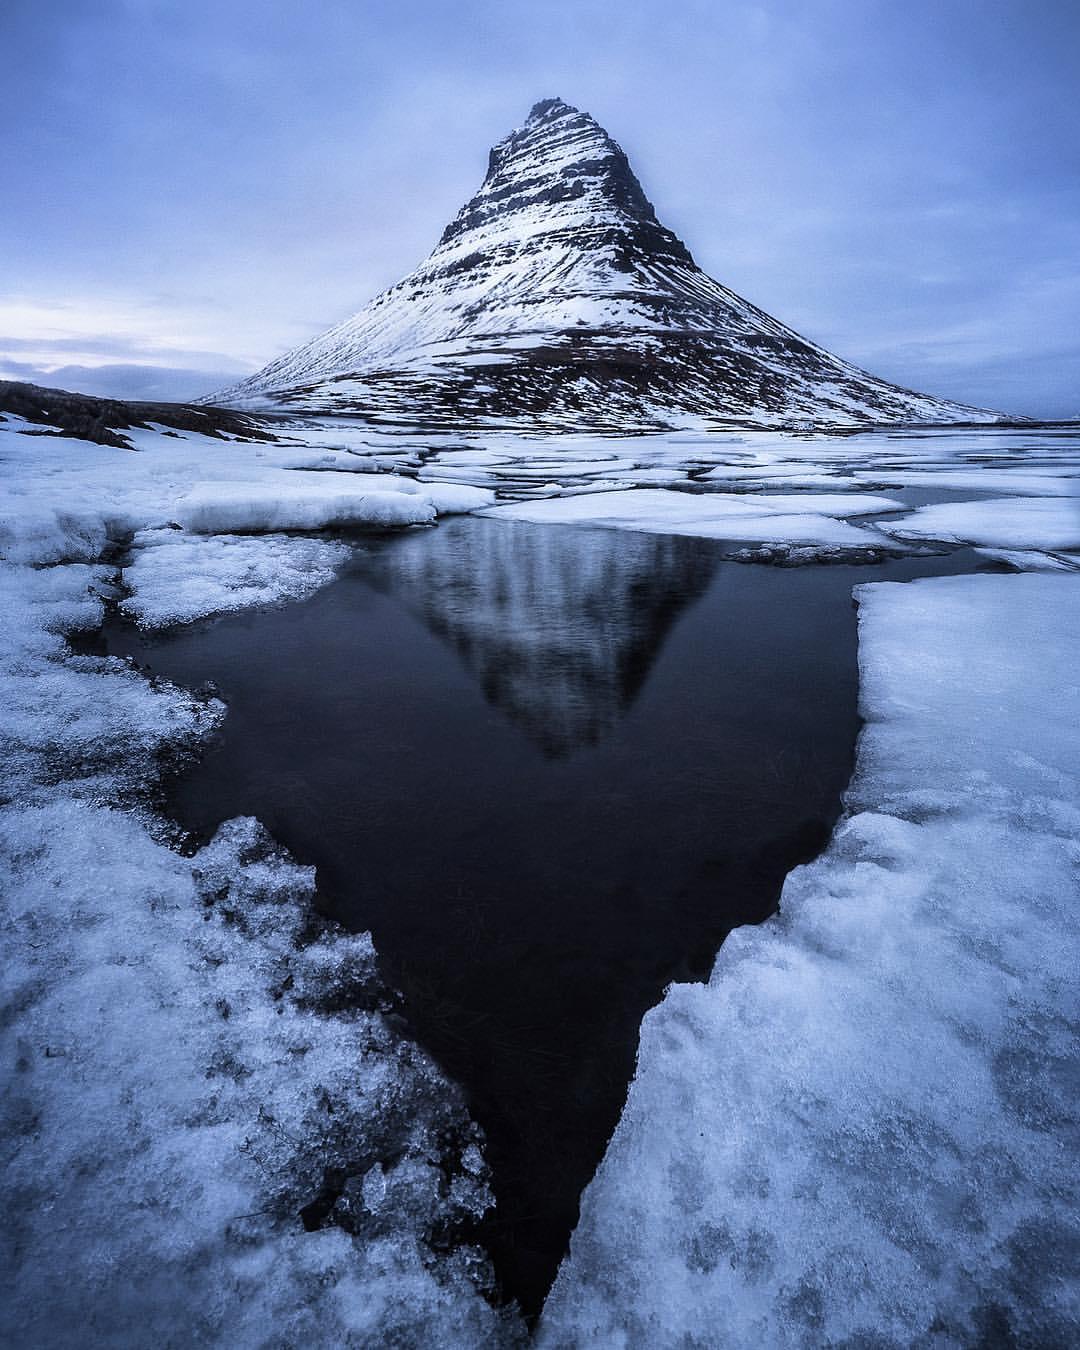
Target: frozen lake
x=549 y=769
x=548 y=754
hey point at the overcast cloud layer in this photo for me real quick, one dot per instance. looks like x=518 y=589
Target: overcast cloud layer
x=196 y=187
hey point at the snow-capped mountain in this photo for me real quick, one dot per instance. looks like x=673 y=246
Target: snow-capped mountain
x=556 y=299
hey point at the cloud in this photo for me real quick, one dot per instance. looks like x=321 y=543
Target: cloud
x=92 y=329
x=156 y=384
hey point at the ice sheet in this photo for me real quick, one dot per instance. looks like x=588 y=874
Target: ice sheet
x=1009 y=522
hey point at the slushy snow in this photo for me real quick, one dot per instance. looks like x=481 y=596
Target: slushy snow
x=175 y=577
x=863 y=1130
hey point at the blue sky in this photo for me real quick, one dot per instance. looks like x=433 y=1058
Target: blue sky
x=190 y=188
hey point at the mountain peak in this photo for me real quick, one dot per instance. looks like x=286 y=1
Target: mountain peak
x=556 y=298
x=561 y=173
x=548 y=106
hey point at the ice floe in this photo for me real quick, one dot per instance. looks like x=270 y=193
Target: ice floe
x=1045 y=523
x=227 y=508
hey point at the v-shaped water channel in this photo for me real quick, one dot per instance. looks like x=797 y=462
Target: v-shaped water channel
x=549 y=768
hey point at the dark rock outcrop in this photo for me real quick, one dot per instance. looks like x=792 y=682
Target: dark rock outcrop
x=101 y=420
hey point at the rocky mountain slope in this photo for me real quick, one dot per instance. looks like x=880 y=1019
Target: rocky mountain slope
x=556 y=299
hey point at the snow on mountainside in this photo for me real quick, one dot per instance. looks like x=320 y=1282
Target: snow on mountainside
x=556 y=299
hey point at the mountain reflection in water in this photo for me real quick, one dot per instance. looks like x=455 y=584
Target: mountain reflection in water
x=549 y=768
x=558 y=628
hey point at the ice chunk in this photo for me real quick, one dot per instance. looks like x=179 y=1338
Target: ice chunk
x=859 y=1131
x=1045 y=523
x=450 y=499
x=1032 y=560
x=175 y=577
x=256 y=507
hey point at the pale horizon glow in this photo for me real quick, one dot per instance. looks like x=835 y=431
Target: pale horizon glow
x=192 y=191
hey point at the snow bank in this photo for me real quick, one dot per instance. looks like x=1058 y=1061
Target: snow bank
x=176 y=577
x=863 y=1129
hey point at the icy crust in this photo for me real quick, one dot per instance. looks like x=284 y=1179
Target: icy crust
x=191 y=1074
x=863 y=1129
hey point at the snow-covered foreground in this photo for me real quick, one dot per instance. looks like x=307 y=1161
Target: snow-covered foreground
x=189 y=1067
x=858 y=1123
x=192 y=1059
x=863 y=1129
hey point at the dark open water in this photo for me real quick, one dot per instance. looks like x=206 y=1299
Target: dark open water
x=550 y=768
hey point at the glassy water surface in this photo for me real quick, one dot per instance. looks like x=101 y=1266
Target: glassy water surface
x=549 y=768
